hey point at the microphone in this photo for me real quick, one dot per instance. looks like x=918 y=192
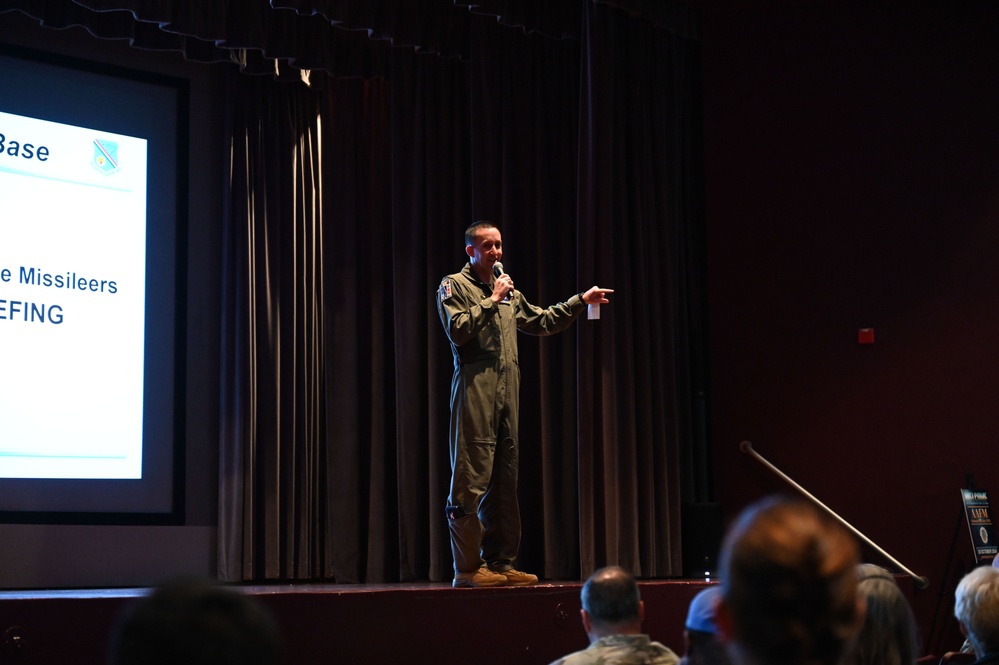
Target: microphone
x=498 y=270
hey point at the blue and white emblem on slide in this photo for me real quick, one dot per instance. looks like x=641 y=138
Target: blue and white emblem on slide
x=105 y=156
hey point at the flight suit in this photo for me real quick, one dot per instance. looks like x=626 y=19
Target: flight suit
x=482 y=508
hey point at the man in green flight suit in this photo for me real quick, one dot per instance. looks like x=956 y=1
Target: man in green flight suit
x=481 y=313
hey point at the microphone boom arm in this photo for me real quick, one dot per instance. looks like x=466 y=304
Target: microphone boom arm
x=747 y=447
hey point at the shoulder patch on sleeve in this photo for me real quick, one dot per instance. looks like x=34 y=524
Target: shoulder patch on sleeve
x=445 y=289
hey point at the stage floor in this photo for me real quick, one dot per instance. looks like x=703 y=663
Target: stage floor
x=360 y=623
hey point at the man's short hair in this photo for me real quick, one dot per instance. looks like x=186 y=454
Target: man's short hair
x=474 y=229
x=611 y=596
x=976 y=606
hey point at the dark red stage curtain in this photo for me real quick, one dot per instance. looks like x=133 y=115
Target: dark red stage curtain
x=346 y=205
x=639 y=210
x=587 y=154
x=273 y=495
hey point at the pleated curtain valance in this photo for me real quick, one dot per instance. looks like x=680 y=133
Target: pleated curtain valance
x=345 y=38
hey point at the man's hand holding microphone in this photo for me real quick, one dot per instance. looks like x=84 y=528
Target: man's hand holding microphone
x=503 y=286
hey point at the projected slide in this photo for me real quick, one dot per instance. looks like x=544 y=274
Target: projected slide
x=72 y=300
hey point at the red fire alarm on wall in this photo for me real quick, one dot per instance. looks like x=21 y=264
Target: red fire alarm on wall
x=865 y=336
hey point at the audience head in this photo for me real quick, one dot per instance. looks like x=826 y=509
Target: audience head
x=888 y=636
x=789 y=586
x=700 y=631
x=192 y=622
x=976 y=606
x=701 y=613
x=611 y=603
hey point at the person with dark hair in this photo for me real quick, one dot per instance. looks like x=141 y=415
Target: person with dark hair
x=888 y=636
x=612 y=617
x=700 y=633
x=194 y=622
x=481 y=312
x=976 y=607
x=789 y=586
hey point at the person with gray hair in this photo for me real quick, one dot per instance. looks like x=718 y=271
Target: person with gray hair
x=612 y=617
x=888 y=636
x=976 y=607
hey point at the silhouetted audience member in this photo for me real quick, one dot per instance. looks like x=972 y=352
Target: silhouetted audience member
x=976 y=607
x=194 y=622
x=700 y=634
x=789 y=586
x=888 y=636
x=612 y=616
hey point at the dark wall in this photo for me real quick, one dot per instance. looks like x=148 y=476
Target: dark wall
x=852 y=167
x=68 y=556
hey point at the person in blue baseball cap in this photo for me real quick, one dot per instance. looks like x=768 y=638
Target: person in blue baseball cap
x=700 y=635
